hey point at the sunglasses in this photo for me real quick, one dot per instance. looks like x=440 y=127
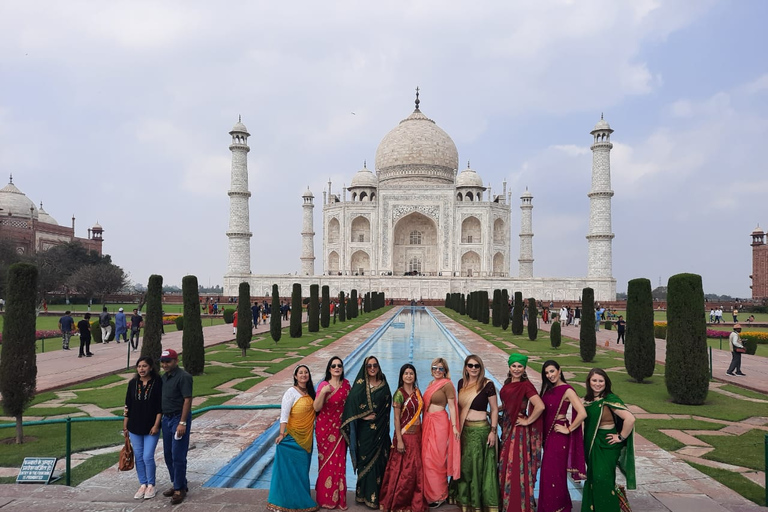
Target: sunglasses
x=438 y=369
x=337 y=365
x=471 y=365
x=372 y=365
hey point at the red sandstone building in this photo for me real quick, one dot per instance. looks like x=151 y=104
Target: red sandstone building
x=30 y=229
x=759 y=265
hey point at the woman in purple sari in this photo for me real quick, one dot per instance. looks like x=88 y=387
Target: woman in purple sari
x=563 y=440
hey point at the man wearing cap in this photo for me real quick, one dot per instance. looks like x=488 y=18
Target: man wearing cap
x=136 y=321
x=177 y=421
x=121 y=326
x=737 y=348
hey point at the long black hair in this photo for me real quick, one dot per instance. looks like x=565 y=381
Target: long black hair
x=546 y=385
x=407 y=366
x=152 y=370
x=328 y=369
x=310 y=386
x=590 y=396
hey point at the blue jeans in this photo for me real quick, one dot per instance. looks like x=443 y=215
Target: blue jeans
x=175 y=452
x=144 y=453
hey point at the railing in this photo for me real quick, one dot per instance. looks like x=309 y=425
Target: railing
x=68 y=422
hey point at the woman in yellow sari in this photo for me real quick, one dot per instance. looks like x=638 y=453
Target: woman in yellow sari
x=289 y=489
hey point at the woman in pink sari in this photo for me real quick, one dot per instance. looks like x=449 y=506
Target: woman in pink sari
x=563 y=440
x=441 y=451
x=331 y=486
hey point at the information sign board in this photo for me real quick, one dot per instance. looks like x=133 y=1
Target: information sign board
x=36 y=470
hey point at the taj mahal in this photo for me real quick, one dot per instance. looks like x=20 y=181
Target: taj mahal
x=417 y=228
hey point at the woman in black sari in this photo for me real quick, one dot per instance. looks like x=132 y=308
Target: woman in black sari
x=365 y=426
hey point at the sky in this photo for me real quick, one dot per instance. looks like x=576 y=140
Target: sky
x=119 y=112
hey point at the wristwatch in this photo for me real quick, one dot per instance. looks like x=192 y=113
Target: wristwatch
x=185 y=424
x=620 y=438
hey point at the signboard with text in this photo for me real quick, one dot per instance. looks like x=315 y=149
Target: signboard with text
x=36 y=470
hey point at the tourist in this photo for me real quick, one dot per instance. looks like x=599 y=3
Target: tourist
x=366 y=422
x=478 y=486
x=520 y=438
x=331 y=396
x=719 y=315
x=620 y=327
x=234 y=323
x=403 y=486
x=255 y=313
x=737 y=348
x=136 y=321
x=289 y=489
x=121 y=326
x=576 y=316
x=735 y=314
x=712 y=315
x=84 y=326
x=608 y=442
x=598 y=317
x=66 y=323
x=177 y=423
x=441 y=449
x=545 y=315
x=563 y=316
x=105 y=320
x=751 y=319
x=563 y=440
x=141 y=422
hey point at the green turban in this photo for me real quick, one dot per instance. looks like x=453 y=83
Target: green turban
x=517 y=358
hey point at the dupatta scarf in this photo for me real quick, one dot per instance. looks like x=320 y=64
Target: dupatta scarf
x=331 y=483
x=437 y=439
x=626 y=461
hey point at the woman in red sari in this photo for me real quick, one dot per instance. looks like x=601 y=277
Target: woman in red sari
x=441 y=451
x=520 y=438
x=563 y=440
x=402 y=489
x=331 y=486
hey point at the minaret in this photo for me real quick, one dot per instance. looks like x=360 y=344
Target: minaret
x=239 y=232
x=526 y=235
x=308 y=235
x=600 y=235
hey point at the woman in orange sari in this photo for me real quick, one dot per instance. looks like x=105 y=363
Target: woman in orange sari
x=402 y=489
x=441 y=452
x=331 y=486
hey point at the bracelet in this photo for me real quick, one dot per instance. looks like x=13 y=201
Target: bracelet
x=183 y=423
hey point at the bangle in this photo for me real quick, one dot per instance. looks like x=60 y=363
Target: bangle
x=183 y=423
x=620 y=438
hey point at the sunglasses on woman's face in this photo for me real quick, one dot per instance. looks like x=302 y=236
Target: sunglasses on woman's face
x=470 y=365
x=372 y=365
x=438 y=369
x=339 y=365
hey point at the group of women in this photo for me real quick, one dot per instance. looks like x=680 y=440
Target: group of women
x=445 y=445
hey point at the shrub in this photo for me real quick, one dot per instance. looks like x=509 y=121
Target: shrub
x=485 y=309
x=325 y=308
x=533 y=313
x=342 y=308
x=504 y=309
x=192 y=340
x=608 y=324
x=296 y=312
x=152 y=345
x=640 y=343
x=275 y=320
x=554 y=335
x=517 y=314
x=313 y=311
x=353 y=302
x=496 y=308
x=587 y=336
x=179 y=321
x=462 y=305
x=686 y=372
x=244 y=319
x=660 y=330
x=229 y=315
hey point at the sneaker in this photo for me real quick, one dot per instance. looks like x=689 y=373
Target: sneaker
x=729 y=373
x=81 y=355
x=741 y=374
x=140 y=493
x=88 y=355
x=150 y=493
x=178 y=496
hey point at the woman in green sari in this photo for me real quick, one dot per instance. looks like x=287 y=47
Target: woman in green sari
x=608 y=442
x=365 y=427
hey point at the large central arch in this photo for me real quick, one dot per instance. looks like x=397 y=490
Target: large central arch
x=415 y=239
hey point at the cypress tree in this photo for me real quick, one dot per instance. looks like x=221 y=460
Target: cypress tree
x=533 y=313
x=496 y=308
x=485 y=307
x=349 y=308
x=325 y=308
x=640 y=349
x=18 y=362
x=275 y=322
x=554 y=335
x=353 y=303
x=244 y=319
x=152 y=345
x=296 y=311
x=447 y=300
x=192 y=340
x=342 y=308
x=686 y=372
x=504 y=309
x=587 y=335
x=462 y=305
x=313 y=311
x=517 y=314
x=367 y=303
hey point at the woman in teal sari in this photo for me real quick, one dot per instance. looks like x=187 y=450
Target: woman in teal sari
x=608 y=442
x=365 y=427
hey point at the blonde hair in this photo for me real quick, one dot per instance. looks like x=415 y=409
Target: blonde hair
x=444 y=363
x=481 y=378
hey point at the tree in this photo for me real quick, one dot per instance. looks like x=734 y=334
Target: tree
x=462 y=305
x=57 y=264
x=325 y=308
x=192 y=339
x=367 y=303
x=18 y=362
x=504 y=309
x=296 y=311
x=640 y=349
x=313 y=311
x=554 y=335
x=517 y=314
x=447 y=300
x=533 y=313
x=686 y=372
x=587 y=335
x=275 y=320
x=485 y=309
x=353 y=303
x=244 y=319
x=152 y=345
x=342 y=308
x=496 y=308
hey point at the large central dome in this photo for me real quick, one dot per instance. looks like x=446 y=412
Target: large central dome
x=417 y=149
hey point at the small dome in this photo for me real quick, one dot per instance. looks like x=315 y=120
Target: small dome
x=239 y=127
x=14 y=202
x=364 y=178
x=602 y=125
x=307 y=193
x=97 y=227
x=526 y=194
x=469 y=178
x=42 y=216
x=758 y=230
